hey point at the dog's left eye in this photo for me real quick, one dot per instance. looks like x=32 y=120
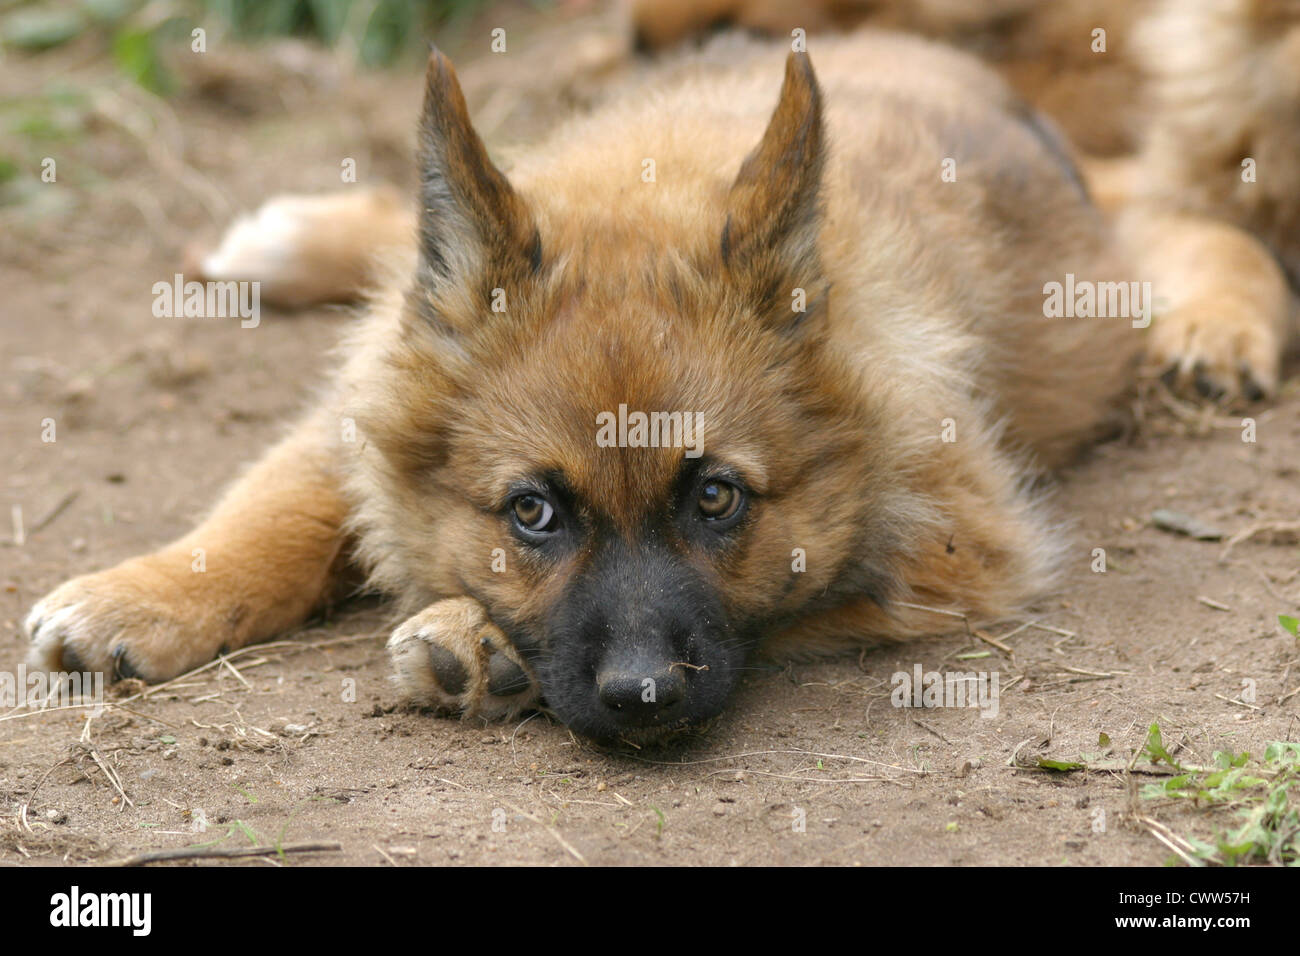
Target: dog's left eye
x=720 y=500
x=534 y=514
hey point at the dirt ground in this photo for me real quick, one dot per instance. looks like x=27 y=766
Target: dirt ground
x=306 y=741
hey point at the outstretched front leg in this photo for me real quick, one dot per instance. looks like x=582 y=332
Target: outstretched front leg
x=264 y=560
x=452 y=658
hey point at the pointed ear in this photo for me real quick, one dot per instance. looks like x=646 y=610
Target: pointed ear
x=773 y=210
x=473 y=226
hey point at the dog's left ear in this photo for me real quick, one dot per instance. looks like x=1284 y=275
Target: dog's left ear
x=773 y=210
x=474 y=227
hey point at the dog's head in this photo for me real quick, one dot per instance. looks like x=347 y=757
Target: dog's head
x=620 y=428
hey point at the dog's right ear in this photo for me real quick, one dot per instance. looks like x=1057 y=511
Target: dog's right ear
x=474 y=228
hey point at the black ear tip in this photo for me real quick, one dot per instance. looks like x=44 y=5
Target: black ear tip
x=799 y=64
x=438 y=63
x=440 y=81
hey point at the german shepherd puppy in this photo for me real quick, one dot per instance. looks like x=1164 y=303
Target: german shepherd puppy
x=743 y=361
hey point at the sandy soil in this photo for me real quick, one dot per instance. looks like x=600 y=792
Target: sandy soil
x=154 y=416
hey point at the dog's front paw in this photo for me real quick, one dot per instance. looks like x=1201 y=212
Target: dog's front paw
x=1221 y=349
x=452 y=658
x=128 y=621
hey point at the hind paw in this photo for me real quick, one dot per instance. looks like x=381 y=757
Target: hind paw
x=1221 y=351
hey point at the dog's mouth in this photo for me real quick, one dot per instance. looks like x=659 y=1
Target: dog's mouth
x=658 y=739
x=641 y=732
x=639 y=705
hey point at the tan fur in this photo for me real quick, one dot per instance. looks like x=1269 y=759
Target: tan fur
x=1225 y=88
x=1163 y=119
x=917 y=365
x=1044 y=48
x=459 y=626
x=924 y=307
x=1225 y=309
x=267 y=556
x=1196 y=85
x=309 y=249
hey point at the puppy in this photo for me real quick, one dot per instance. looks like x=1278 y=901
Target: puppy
x=757 y=360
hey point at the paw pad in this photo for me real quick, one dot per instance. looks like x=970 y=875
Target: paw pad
x=452 y=658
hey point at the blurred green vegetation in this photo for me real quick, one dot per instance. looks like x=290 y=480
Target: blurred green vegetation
x=378 y=32
x=140 y=37
x=34 y=125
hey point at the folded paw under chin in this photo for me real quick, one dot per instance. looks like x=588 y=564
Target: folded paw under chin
x=452 y=658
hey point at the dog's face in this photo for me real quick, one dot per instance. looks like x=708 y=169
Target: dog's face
x=645 y=460
x=636 y=578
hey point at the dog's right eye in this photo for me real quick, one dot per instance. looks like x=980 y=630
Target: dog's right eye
x=534 y=514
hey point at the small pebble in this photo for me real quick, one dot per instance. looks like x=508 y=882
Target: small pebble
x=1189 y=525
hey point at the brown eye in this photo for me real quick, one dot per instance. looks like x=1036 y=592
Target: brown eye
x=534 y=513
x=719 y=500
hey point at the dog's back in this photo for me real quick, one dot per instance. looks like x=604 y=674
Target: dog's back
x=948 y=204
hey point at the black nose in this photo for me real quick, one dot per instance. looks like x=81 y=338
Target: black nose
x=640 y=694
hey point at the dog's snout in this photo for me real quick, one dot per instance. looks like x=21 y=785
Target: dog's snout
x=641 y=647
x=639 y=693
